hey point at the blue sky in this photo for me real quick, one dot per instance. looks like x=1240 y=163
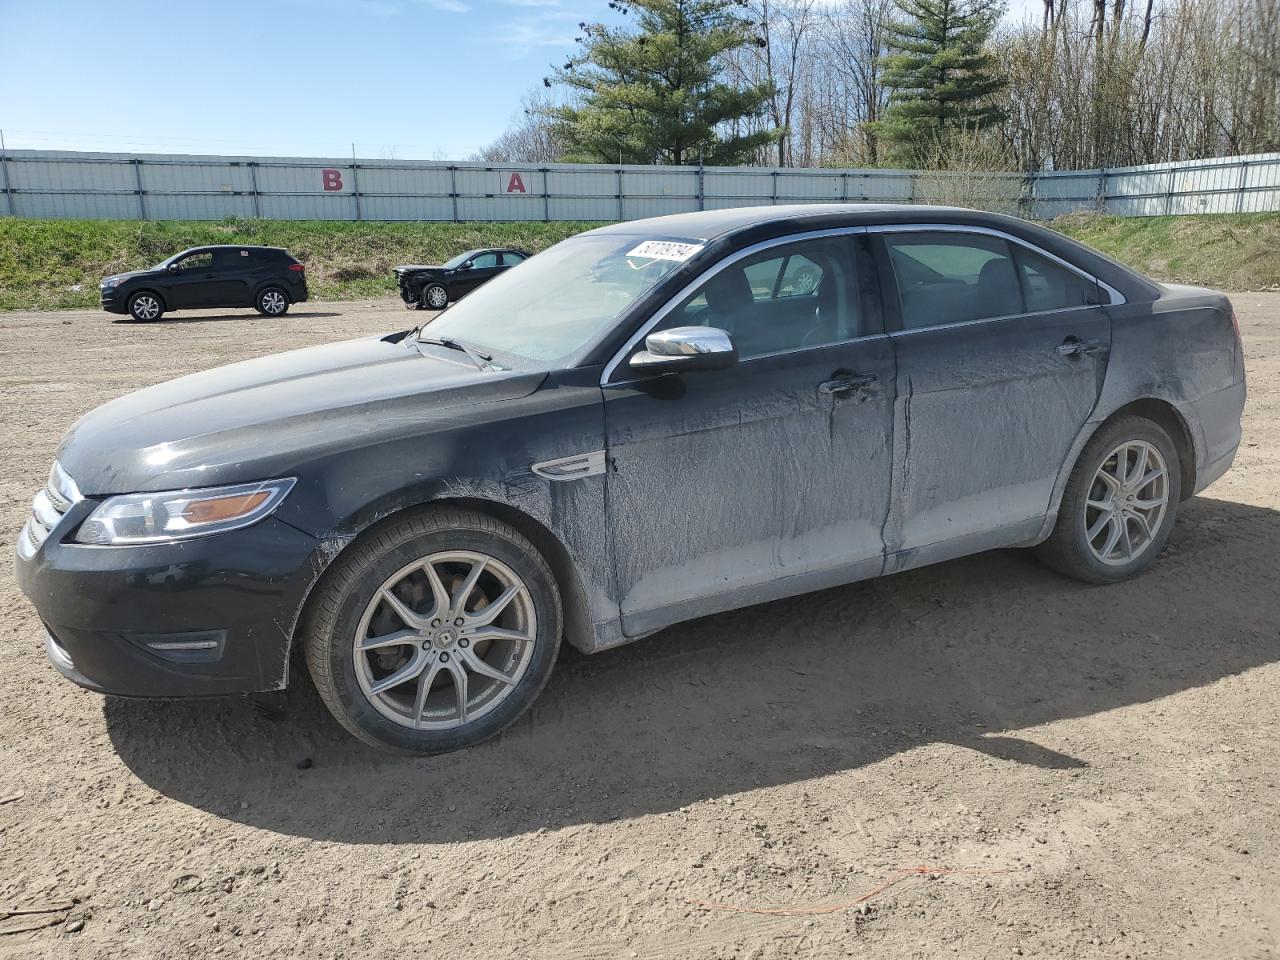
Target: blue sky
x=413 y=79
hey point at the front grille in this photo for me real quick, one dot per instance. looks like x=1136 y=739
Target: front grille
x=58 y=496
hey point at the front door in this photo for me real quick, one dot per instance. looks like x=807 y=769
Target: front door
x=1001 y=357
x=770 y=478
x=193 y=282
x=484 y=267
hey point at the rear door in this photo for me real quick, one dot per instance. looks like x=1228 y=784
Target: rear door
x=242 y=270
x=735 y=486
x=1001 y=353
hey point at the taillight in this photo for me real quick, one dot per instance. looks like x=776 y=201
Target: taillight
x=299 y=268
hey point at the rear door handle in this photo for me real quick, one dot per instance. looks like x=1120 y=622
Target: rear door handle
x=846 y=384
x=1075 y=347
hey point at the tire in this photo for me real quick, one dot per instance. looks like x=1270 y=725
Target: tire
x=379 y=589
x=146 y=307
x=434 y=297
x=1137 y=526
x=272 y=302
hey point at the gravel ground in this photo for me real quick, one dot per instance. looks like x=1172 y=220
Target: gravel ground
x=1106 y=756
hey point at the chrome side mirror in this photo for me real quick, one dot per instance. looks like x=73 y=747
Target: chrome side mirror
x=685 y=348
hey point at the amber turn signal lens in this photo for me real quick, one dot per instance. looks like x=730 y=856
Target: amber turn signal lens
x=223 y=508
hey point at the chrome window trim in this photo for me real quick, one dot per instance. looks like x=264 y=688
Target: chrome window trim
x=1116 y=297
x=706 y=275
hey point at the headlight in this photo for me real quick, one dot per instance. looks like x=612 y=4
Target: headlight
x=113 y=282
x=182 y=514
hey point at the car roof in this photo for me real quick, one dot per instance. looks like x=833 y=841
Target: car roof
x=736 y=227
x=710 y=224
x=235 y=246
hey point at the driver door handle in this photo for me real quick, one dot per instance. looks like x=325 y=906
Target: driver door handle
x=1075 y=347
x=845 y=384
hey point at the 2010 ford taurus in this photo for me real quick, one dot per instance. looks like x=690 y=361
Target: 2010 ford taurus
x=649 y=422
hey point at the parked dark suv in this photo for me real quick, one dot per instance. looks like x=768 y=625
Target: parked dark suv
x=266 y=278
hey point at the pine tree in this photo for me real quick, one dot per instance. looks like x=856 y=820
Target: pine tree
x=940 y=77
x=654 y=94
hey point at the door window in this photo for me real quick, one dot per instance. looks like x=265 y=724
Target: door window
x=799 y=295
x=510 y=259
x=946 y=277
x=1051 y=286
x=484 y=260
x=196 y=261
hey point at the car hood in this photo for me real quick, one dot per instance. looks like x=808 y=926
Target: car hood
x=261 y=418
x=129 y=275
x=418 y=268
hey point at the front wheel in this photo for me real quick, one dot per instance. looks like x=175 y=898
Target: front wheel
x=435 y=297
x=145 y=307
x=1119 y=505
x=272 y=302
x=435 y=632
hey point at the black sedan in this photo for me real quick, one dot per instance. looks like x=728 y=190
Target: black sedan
x=266 y=278
x=647 y=423
x=434 y=288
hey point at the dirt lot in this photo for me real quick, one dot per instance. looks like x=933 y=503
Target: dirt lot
x=1111 y=751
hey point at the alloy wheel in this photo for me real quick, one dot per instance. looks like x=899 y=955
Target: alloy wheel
x=1127 y=503
x=445 y=640
x=146 y=307
x=273 y=302
x=437 y=298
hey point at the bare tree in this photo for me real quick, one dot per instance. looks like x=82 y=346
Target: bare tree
x=852 y=49
x=530 y=137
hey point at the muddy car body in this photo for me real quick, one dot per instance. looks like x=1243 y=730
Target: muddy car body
x=789 y=398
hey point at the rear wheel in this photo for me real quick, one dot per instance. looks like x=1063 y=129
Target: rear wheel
x=272 y=302
x=145 y=307
x=436 y=632
x=1120 y=503
x=434 y=297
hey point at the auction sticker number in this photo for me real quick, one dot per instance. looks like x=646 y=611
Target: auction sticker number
x=665 y=250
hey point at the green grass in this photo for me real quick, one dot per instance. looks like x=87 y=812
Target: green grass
x=49 y=264
x=1227 y=251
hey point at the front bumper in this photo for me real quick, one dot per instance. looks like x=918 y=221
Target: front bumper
x=113 y=301
x=203 y=617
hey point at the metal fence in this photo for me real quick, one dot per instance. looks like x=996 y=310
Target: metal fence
x=56 y=184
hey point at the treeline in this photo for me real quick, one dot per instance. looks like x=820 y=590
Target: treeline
x=932 y=84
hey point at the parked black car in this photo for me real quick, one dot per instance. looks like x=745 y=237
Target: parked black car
x=647 y=423
x=434 y=288
x=266 y=278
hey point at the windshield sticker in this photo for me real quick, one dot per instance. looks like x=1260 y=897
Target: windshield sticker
x=665 y=250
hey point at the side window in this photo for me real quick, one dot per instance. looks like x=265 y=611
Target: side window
x=763 y=277
x=1051 y=286
x=484 y=260
x=196 y=261
x=802 y=294
x=511 y=259
x=948 y=277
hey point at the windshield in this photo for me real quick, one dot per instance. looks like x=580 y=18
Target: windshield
x=555 y=304
x=460 y=259
x=168 y=260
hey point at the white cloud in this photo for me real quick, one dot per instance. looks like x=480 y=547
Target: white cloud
x=550 y=29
